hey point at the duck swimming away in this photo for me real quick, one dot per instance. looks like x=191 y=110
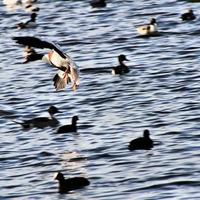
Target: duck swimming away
x=41 y=122
x=66 y=185
x=69 y=128
x=68 y=70
x=144 y=142
x=149 y=29
x=28 y=24
x=98 y=3
x=188 y=16
x=121 y=68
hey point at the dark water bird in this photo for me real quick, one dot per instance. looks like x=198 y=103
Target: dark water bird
x=188 y=15
x=69 y=128
x=28 y=24
x=68 y=70
x=98 y=3
x=66 y=185
x=148 y=29
x=42 y=122
x=144 y=142
x=121 y=68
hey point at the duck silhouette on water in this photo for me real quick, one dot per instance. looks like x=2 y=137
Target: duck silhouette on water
x=188 y=16
x=66 y=185
x=28 y=24
x=144 y=142
x=98 y=3
x=41 y=122
x=121 y=68
x=69 y=128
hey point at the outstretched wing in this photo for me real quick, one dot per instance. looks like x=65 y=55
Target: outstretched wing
x=38 y=43
x=61 y=79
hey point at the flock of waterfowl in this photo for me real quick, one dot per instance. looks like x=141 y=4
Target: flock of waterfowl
x=69 y=73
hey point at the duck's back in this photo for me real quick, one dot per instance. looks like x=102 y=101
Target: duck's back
x=147 y=29
x=117 y=70
x=57 y=60
x=141 y=143
x=67 y=129
x=187 y=16
x=42 y=122
x=73 y=184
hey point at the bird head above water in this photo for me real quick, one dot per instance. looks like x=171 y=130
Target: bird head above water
x=122 y=58
x=59 y=176
x=153 y=21
x=75 y=119
x=53 y=110
x=33 y=16
x=190 y=11
x=146 y=133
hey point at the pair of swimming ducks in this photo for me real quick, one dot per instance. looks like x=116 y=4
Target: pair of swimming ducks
x=51 y=121
x=66 y=185
x=151 y=29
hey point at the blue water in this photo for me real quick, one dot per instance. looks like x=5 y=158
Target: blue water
x=161 y=93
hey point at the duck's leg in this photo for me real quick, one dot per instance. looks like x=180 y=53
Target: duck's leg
x=66 y=72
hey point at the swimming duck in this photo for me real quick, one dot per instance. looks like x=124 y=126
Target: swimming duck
x=28 y=24
x=121 y=68
x=69 y=128
x=66 y=185
x=144 y=142
x=98 y=3
x=149 y=29
x=188 y=15
x=42 y=122
x=68 y=70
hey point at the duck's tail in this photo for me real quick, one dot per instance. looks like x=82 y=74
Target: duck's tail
x=23 y=124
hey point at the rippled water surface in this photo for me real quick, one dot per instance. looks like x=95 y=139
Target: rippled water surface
x=161 y=93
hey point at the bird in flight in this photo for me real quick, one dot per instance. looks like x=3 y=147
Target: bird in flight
x=68 y=70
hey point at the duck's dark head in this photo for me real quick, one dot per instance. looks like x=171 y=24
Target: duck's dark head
x=190 y=11
x=75 y=119
x=53 y=110
x=146 y=133
x=33 y=16
x=33 y=57
x=59 y=176
x=122 y=58
x=153 y=21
